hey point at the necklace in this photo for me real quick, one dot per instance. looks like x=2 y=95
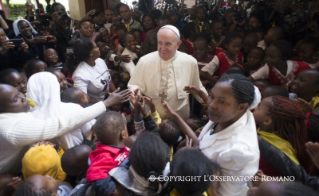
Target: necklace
x=163 y=95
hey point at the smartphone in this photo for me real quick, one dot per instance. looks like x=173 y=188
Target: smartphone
x=16 y=42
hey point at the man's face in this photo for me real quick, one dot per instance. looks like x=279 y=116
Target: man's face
x=167 y=44
x=109 y=14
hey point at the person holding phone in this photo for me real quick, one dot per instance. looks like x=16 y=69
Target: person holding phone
x=36 y=42
x=13 y=53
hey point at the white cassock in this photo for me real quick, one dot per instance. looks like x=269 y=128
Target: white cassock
x=161 y=79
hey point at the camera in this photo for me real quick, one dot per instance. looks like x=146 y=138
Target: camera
x=296 y=21
x=96 y=13
x=63 y=15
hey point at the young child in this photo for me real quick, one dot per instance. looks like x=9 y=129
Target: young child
x=15 y=78
x=222 y=61
x=110 y=130
x=120 y=30
x=272 y=90
x=191 y=162
x=242 y=67
x=261 y=42
x=52 y=59
x=255 y=59
x=307 y=53
x=261 y=84
x=306 y=86
x=61 y=78
x=44 y=160
x=250 y=41
x=216 y=29
x=138 y=37
x=273 y=34
x=109 y=14
x=75 y=95
x=128 y=21
x=200 y=52
x=279 y=68
x=34 y=66
x=281 y=123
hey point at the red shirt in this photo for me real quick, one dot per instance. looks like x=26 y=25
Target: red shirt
x=103 y=159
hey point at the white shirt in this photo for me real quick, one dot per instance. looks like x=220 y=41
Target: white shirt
x=94 y=81
x=180 y=71
x=236 y=151
x=127 y=67
x=263 y=72
x=212 y=66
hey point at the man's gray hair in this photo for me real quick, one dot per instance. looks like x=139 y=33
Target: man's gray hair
x=173 y=29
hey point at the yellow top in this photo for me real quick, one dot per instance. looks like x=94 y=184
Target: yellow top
x=156 y=117
x=283 y=145
x=175 y=193
x=315 y=104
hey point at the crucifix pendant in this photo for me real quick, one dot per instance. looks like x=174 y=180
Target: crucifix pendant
x=163 y=96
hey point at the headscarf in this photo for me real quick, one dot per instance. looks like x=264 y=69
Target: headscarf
x=16 y=28
x=44 y=90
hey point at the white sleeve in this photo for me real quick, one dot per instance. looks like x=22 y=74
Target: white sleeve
x=261 y=73
x=212 y=66
x=129 y=67
x=28 y=131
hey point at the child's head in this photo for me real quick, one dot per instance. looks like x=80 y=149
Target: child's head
x=216 y=28
x=254 y=21
x=307 y=50
x=169 y=131
x=75 y=160
x=200 y=48
x=189 y=31
x=102 y=47
x=233 y=42
x=306 y=83
x=122 y=86
x=110 y=129
x=195 y=123
x=125 y=12
x=116 y=78
x=120 y=30
x=250 y=41
x=192 y=162
x=86 y=28
x=38 y=185
x=113 y=29
x=75 y=95
x=287 y=118
x=255 y=58
x=14 y=78
x=128 y=41
x=116 y=108
x=278 y=53
x=149 y=155
x=43 y=160
x=105 y=35
x=51 y=56
x=273 y=91
x=260 y=35
x=261 y=84
x=138 y=36
x=273 y=34
x=3 y=36
x=109 y=14
x=61 y=78
x=242 y=67
x=230 y=98
x=34 y=66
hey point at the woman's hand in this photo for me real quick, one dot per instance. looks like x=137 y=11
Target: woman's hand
x=117 y=97
x=24 y=47
x=6 y=45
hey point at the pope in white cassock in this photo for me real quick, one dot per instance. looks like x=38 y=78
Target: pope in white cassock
x=163 y=74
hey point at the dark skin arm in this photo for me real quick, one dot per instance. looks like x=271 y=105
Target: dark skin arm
x=206 y=76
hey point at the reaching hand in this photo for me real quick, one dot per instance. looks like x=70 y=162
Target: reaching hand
x=6 y=45
x=125 y=58
x=313 y=151
x=117 y=97
x=142 y=105
x=305 y=106
x=11 y=186
x=169 y=111
x=148 y=101
x=192 y=89
x=38 y=39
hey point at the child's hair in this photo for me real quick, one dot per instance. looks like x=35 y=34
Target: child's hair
x=4 y=73
x=266 y=82
x=259 y=49
x=232 y=71
x=28 y=188
x=123 y=38
x=312 y=42
x=188 y=29
x=289 y=121
x=121 y=27
x=108 y=127
x=256 y=16
x=81 y=52
x=284 y=49
x=276 y=90
x=149 y=155
x=83 y=21
x=191 y=162
x=243 y=88
x=30 y=67
x=169 y=132
x=242 y=67
x=75 y=160
x=194 y=122
x=201 y=39
x=232 y=35
x=70 y=95
x=136 y=30
x=215 y=22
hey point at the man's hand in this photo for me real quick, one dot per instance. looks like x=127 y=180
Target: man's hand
x=313 y=151
x=117 y=97
x=305 y=106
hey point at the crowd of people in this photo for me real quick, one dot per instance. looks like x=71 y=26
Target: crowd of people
x=220 y=99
